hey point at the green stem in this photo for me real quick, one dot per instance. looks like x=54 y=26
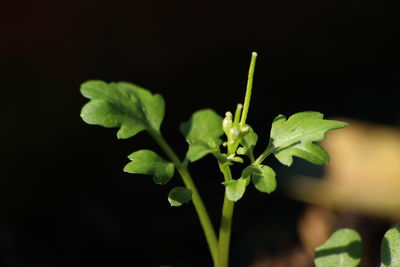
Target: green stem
x=264 y=155
x=238 y=112
x=226 y=222
x=248 y=89
x=202 y=213
x=232 y=147
x=251 y=156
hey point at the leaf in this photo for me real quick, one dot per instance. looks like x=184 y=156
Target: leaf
x=296 y=137
x=248 y=143
x=236 y=188
x=343 y=249
x=179 y=195
x=198 y=149
x=148 y=162
x=262 y=176
x=390 y=247
x=124 y=105
x=202 y=132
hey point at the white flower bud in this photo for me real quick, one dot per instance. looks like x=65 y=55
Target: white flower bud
x=227 y=122
x=234 y=133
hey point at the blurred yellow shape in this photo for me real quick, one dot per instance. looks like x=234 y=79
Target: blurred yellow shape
x=363 y=174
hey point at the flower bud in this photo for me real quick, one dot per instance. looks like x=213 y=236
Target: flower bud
x=234 y=134
x=227 y=122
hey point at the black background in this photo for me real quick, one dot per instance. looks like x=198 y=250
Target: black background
x=64 y=200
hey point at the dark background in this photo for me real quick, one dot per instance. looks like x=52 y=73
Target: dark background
x=64 y=199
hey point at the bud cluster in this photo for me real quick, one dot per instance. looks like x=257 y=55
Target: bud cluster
x=233 y=130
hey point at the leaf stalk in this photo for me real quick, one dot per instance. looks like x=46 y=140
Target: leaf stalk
x=265 y=154
x=200 y=208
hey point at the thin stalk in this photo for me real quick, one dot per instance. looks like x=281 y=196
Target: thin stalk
x=226 y=222
x=238 y=111
x=264 y=155
x=248 y=89
x=251 y=156
x=232 y=147
x=201 y=210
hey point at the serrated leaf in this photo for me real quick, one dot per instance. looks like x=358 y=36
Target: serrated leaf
x=390 y=247
x=124 y=105
x=202 y=133
x=262 y=176
x=236 y=188
x=179 y=195
x=248 y=143
x=296 y=136
x=150 y=163
x=343 y=249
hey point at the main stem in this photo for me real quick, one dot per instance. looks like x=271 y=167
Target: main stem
x=226 y=221
x=202 y=213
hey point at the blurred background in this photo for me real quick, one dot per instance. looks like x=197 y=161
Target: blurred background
x=64 y=199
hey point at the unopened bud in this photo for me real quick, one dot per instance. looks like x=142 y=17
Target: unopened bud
x=227 y=122
x=234 y=133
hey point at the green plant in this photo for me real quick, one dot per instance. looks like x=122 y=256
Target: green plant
x=344 y=247
x=133 y=109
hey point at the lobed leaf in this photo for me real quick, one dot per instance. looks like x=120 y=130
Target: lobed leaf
x=296 y=136
x=150 y=163
x=202 y=133
x=390 y=247
x=262 y=176
x=179 y=195
x=343 y=249
x=124 y=105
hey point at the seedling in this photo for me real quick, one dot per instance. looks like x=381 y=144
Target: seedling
x=133 y=109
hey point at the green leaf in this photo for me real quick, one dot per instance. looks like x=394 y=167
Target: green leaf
x=296 y=137
x=236 y=188
x=202 y=132
x=262 y=176
x=248 y=143
x=390 y=247
x=198 y=149
x=179 y=195
x=124 y=105
x=148 y=162
x=343 y=249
